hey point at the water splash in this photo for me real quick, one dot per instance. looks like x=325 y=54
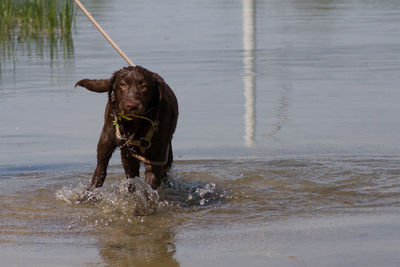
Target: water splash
x=191 y=194
x=123 y=201
x=72 y=193
x=127 y=198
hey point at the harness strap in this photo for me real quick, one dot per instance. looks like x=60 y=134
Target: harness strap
x=142 y=144
x=152 y=162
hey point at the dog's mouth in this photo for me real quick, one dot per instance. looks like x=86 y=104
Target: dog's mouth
x=133 y=115
x=142 y=111
x=129 y=117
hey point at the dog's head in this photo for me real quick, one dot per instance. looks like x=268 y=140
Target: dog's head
x=131 y=90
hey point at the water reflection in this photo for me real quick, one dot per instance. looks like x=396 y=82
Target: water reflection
x=150 y=243
x=248 y=70
x=282 y=110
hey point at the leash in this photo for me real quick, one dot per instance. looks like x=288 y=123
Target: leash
x=145 y=142
x=100 y=29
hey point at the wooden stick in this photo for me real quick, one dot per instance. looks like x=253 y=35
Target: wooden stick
x=84 y=10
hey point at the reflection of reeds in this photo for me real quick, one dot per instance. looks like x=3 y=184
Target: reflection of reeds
x=41 y=21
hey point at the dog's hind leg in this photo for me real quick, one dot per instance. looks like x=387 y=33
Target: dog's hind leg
x=167 y=167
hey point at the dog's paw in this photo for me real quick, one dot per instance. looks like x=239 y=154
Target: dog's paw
x=88 y=196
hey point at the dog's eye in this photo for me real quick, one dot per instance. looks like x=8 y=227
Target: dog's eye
x=145 y=89
x=123 y=85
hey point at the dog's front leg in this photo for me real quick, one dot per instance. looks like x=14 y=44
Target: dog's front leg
x=105 y=148
x=153 y=176
x=131 y=164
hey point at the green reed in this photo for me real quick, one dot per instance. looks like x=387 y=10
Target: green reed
x=36 y=17
x=40 y=21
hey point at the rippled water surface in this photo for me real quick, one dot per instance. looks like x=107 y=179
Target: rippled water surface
x=286 y=151
x=276 y=212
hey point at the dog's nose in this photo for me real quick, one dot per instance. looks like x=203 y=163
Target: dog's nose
x=129 y=105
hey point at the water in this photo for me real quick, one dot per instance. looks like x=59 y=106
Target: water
x=286 y=148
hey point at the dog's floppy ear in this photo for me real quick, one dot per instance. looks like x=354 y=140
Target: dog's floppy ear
x=98 y=86
x=111 y=93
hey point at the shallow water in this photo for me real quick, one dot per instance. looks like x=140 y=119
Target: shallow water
x=286 y=148
x=276 y=212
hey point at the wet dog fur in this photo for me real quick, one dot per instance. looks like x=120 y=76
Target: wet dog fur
x=142 y=92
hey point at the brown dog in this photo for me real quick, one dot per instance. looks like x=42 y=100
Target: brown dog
x=140 y=118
